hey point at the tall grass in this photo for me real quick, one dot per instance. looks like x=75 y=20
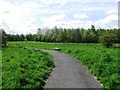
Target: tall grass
x=102 y=62
x=0 y=69
x=25 y=68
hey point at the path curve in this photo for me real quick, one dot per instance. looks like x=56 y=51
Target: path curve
x=69 y=73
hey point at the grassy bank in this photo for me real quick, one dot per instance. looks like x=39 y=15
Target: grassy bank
x=102 y=62
x=25 y=68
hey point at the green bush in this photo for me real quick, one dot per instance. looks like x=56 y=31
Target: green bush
x=108 y=39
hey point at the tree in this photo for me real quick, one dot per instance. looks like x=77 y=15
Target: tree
x=93 y=28
x=108 y=39
x=22 y=37
x=39 y=31
x=29 y=37
x=10 y=37
x=17 y=37
x=4 y=37
x=77 y=36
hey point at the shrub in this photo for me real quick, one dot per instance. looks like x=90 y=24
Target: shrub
x=108 y=39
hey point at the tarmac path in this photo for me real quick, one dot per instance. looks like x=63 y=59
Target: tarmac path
x=69 y=73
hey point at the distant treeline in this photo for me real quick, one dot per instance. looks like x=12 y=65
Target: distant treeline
x=70 y=35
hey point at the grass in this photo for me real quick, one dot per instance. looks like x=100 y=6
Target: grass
x=25 y=68
x=0 y=68
x=102 y=62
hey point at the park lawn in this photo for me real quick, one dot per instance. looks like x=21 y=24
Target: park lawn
x=25 y=68
x=102 y=62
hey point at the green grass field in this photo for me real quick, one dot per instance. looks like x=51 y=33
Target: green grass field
x=102 y=62
x=25 y=68
x=0 y=68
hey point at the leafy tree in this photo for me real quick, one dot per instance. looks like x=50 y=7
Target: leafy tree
x=4 y=37
x=29 y=37
x=66 y=35
x=10 y=37
x=108 y=39
x=39 y=31
x=93 y=28
x=78 y=37
x=17 y=37
x=22 y=37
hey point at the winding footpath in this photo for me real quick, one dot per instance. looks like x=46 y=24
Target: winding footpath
x=69 y=73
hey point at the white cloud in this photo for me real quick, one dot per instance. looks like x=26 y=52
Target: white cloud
x=51 y=11
x=53 y=20
x=109 y=19
x=26 y=16
x=63 y=1
x=112 y=11
x=18 y=18
x=59 y=21
x=80 y=16
x=114 y=27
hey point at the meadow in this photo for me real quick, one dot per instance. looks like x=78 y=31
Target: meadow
x=102 y=62
x=25 y=68
x=0 y=68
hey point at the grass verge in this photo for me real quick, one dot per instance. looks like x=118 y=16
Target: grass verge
x=25 y=68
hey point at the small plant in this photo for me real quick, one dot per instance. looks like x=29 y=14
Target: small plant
x=69 y=51
x=77 y=51
x=12 y=56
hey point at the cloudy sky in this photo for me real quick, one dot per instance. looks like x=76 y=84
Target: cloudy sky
x=26 y=16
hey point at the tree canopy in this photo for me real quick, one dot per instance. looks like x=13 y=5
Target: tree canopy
x=71 y=35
